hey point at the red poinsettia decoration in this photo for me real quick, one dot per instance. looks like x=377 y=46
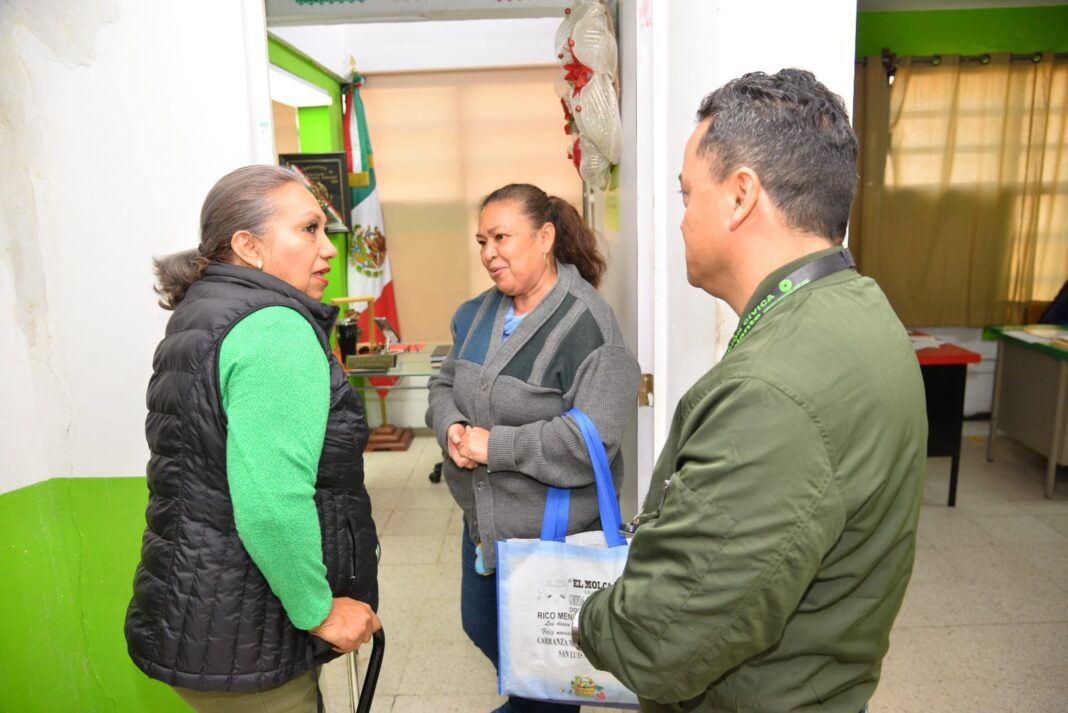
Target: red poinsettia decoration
x=578 y=74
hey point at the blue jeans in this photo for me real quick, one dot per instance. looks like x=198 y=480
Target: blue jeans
x=478 y=612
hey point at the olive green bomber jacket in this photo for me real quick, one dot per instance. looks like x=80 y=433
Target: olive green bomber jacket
x=768 y=575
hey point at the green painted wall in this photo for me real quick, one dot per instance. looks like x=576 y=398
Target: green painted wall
x=1018 y=29
x=315 y=125
x=68 y=549
x=320 y=126
x=319 y=130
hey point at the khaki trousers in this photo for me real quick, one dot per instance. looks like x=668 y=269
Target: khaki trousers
x=296 y=696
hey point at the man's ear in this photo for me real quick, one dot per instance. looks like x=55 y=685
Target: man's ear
x=745 y=188
x=246 y=247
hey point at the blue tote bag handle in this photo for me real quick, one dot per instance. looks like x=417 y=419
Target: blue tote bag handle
x=558 y=500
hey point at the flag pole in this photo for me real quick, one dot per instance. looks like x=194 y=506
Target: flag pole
x=369 y=268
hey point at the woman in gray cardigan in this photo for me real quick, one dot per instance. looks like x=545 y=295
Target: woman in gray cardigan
x=524 y=352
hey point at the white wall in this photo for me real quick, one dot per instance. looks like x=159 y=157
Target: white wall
x=116 y=116
x=697 y=46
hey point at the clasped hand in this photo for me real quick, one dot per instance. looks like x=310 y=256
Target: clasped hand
x=468 y=445
x=348 y=626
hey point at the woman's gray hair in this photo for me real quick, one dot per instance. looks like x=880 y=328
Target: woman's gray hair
x=240 y=200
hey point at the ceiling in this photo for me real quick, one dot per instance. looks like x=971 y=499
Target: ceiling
x=290 y=12
x=426 y=46
x=417 y=35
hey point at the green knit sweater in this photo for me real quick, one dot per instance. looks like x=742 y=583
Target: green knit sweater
x=275 y=385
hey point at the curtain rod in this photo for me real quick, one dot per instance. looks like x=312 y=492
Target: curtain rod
x=890 y=60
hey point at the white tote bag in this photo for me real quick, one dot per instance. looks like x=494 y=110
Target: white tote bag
x=541 y=584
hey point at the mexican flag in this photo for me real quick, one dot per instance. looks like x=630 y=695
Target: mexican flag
x=369 y=272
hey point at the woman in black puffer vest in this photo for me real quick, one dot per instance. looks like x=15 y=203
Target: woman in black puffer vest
x=258 y=562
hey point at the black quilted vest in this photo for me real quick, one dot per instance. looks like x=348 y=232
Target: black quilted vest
x=202 y=615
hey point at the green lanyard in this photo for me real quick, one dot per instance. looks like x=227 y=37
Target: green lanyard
x=815 y=270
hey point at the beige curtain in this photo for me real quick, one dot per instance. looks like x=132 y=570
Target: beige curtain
x=962 y=212
x=443 y=140
x=871 y=112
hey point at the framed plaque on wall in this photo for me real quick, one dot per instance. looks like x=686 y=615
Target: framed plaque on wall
x=326 y=176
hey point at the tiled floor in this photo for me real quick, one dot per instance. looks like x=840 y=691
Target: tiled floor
x=984 y=626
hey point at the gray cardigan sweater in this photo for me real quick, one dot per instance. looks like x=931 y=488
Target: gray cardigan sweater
x=567 y=351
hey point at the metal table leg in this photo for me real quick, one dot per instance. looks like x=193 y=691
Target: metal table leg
x=998 y=370
x=1058 y=428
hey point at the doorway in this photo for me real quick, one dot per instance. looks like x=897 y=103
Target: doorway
x=450 y=86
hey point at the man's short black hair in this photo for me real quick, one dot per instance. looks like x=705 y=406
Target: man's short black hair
x=795 y=133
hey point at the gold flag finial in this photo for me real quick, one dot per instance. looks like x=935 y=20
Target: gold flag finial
x=352 y=64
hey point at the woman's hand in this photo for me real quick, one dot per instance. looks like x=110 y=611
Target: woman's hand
x=348 y=626
x=455 y=436
x=474 y=445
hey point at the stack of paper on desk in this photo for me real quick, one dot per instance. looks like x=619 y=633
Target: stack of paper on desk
x=924 y=342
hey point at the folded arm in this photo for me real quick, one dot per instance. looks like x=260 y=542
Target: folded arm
x=606 y=389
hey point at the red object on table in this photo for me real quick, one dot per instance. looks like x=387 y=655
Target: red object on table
x=946 y=354
x=945 y=371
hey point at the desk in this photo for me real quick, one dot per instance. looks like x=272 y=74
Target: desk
x=407 y=364
x=1030 y=397
x=945 y=370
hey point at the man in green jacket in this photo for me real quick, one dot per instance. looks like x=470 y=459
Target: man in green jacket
x=775 y=545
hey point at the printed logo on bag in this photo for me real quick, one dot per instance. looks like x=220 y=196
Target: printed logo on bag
x=593 y=584
x=553 y=589
x=586 y=687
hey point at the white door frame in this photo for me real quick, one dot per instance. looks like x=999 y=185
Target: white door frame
x=672 y=54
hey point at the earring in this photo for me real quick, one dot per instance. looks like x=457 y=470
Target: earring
x=545 y=255
x=259 y=263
